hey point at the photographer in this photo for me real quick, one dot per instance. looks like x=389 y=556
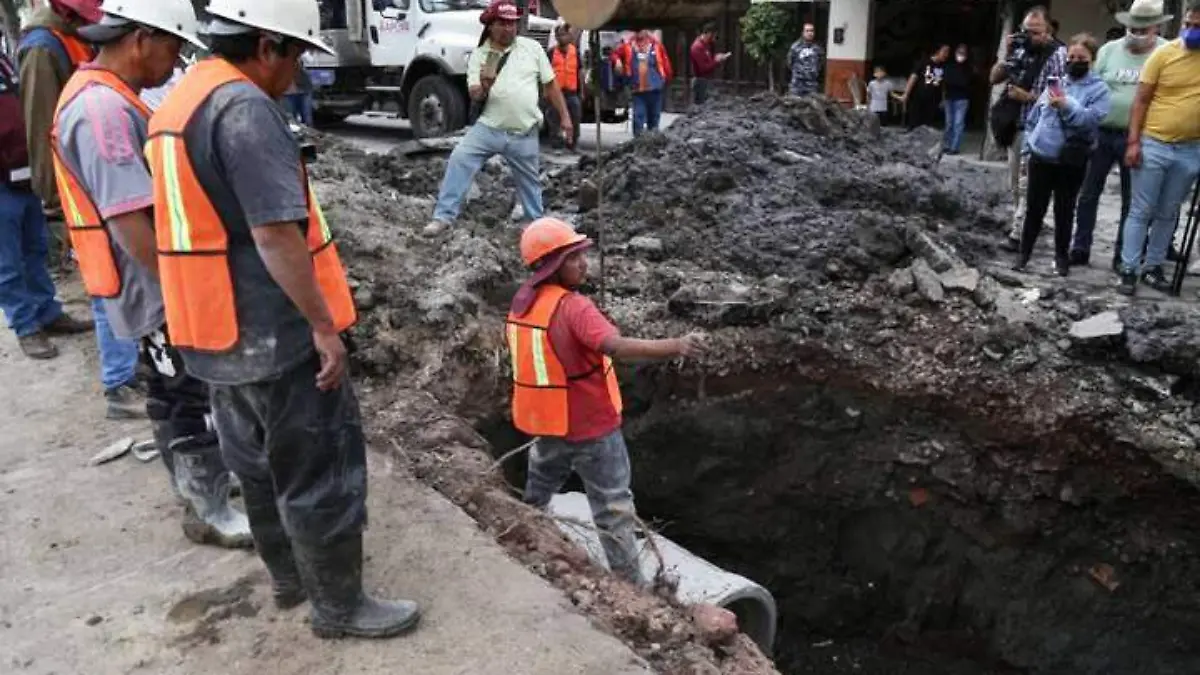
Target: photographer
x=1033 y=56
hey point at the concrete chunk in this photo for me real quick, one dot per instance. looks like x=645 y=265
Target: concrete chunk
x=960 y=279
x=1103 y=325
x=927 y=282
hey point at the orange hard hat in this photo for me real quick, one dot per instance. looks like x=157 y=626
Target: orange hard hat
x=545 y=236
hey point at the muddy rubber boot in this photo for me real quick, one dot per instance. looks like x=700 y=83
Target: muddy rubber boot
x=273 y=546
x=204 y=482
x=333 y=578
x=163 y=432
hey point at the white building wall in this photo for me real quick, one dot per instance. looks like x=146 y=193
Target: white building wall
x=854 y=18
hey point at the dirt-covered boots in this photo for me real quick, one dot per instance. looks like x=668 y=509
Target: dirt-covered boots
x=272 y=544
x=164 y=431
x=206 y=484
x=332 y=576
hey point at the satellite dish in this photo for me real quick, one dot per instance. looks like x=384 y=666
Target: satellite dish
x=587 y=14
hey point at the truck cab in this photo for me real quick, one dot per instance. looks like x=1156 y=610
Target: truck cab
x=401 y=59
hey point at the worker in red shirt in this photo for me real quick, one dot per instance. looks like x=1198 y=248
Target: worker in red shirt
x=705 y=61
x=644 y=64
x=565 y=391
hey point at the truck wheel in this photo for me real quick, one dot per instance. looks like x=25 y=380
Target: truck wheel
x=436 y=107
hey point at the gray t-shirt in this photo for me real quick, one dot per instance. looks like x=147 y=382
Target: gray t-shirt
x=101 y=136
x=877 y=93
x=249 y=165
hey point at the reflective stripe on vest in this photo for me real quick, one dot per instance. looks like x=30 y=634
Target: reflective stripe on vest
x=540 y=383
x=88 y=232
x=193 y=245
x=566 y=68
x=77 y=50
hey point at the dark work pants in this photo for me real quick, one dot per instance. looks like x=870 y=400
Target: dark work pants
x=1060 y=182
x=172 y=395
x=1109 y=151
x=575 y=109
x=700 y=88
x=299 y=453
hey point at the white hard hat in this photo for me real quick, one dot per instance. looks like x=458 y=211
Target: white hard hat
x=173 y=16
x=299 y=19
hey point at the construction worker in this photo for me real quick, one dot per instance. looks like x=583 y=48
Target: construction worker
x=256 y=300
x=50 y=51
x=26 y=289
x=568 y=72
x=565 y=391
x=99 y=130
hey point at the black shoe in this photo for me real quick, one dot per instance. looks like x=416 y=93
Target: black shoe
x=1156 y=279
x=125 y=402
x=66 y=324
x=1128 y=285
x=332 y=576
x=1079 y=258
x=1011 y=245
x=1062 y=267
x=1021 y=264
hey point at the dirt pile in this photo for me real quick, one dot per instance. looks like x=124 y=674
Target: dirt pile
x=935 y=468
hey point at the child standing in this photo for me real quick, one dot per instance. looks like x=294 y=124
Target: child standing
x=565 y=391
x=879 y=90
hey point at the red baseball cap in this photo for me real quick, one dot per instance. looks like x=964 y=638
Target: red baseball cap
x=88 y=10
x=500 y=10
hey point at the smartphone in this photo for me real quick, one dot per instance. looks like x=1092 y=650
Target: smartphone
x=1055 y=85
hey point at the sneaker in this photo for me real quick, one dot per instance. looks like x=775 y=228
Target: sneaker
x=1128 y=285
x=434 y=228
x=125 y=403
x=1156 y=279
x=66 y=324
x=1079 y=258
x=37 y=346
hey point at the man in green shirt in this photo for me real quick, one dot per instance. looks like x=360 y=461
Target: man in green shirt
x=506 y=77
x=1119 y=63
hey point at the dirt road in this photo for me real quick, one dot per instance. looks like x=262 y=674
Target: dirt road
x=96 y=577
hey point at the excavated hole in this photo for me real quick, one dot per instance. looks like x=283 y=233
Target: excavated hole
x=900 y=540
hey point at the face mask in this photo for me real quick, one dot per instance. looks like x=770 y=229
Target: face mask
x=1078 y=69
x=1138 y=41
x=1191 y=38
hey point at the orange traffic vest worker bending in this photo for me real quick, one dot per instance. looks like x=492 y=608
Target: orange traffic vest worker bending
x=565 y=391
x=256 y=300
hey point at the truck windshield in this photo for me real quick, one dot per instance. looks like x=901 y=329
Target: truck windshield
x=452 y=5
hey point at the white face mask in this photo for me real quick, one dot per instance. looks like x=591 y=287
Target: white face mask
x=961 y=58
x=1138 y=41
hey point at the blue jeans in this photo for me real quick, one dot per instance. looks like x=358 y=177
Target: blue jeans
x=520 y=150
x=956 y=124
x=1160 y=185
x=647 y=111
x=1109 y=151
x=118 y=358
x=26 y=290
x=301 y=107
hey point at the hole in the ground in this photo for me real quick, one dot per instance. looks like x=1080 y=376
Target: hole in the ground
x=897 y=539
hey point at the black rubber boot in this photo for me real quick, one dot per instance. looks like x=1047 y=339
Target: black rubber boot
x=333 y=578
x=206 y=485
x=163 y=433
x=273 y=545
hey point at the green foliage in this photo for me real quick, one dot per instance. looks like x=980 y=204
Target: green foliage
x=766 y=31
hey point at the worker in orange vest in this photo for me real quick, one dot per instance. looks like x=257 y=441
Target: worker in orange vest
x=568 y=71
x=565 y=390
x=256 y=301
x=643 y=63
x=100 y=126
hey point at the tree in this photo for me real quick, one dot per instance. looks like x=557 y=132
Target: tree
x=766 y=31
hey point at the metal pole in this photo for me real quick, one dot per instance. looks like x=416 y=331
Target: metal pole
x=597 y=87
x=1189 y=242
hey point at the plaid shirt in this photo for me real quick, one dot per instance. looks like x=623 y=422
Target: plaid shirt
x=1055 y=66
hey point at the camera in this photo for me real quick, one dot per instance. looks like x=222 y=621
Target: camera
x=1016 y=51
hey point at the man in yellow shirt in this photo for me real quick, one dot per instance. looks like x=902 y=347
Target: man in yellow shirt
x=506 y=77
x=1163 y=152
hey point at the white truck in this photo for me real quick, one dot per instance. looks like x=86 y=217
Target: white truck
x=401 y=59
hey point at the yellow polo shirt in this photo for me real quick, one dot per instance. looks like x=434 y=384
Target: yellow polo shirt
x=1174 y=114
x=512 y=104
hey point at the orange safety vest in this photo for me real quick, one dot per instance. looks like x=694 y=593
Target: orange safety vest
x=193 y=244
x=566 y=67
x=77 y=50
x=540 y=383
x=88 y=233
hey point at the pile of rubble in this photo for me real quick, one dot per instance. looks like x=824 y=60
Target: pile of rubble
x=924 y=458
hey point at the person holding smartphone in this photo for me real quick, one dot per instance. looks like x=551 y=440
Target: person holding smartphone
x=705 y=61
x=1062 y=130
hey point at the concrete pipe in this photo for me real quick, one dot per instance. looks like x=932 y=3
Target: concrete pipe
x=700 y=582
